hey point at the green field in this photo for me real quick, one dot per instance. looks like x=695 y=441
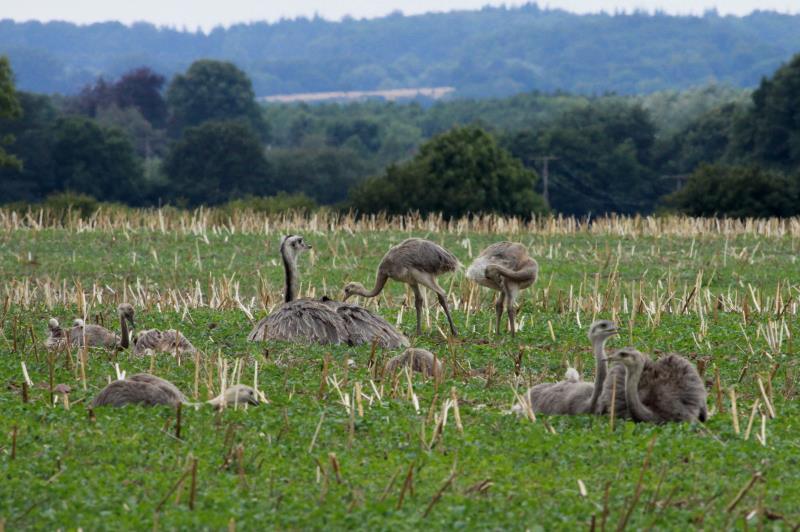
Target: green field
x=726 y=296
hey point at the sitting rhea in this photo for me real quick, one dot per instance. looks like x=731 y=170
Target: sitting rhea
x=507 y=268
x=156 y=341
x=320 y=321
x=669 y=389
x=91 y=335
x=572 y=395
x=420 y=360
x=149 y=390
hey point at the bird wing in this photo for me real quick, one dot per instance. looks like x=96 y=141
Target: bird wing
x=162 y=342
x=126 y=392
x=674 y=389
x=364 y=327
x=162 y=384
x=302 y=320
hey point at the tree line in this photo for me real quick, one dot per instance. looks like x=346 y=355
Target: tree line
x=201 y=138
x=495 y=51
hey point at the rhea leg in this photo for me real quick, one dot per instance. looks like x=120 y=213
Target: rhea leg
x=512 y=314
x=442 y=295
x=418 y=306
x=498 y=307
x=511 y=306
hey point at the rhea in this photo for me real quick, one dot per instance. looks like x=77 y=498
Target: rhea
x=507 y=268
x=414 y=261
x=573 y=396
x=149 y=390
x=669 y=389
x=91 y=335
x=320 y=321
x=157 y=341
x=419 y=360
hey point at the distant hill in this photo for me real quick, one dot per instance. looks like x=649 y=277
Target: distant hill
x=491 y=52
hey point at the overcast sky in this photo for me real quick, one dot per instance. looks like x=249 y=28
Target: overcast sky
x=210 y=13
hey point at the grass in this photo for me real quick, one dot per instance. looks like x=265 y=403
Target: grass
x=727 y=301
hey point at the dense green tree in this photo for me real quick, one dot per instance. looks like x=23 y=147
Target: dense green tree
x=95 y=160
x=459 y=172
x=706 y=139
x=737 y=191
x=33 y=130
x=213 y=90
x=770 y=132
x=9 y=109
x=216 y=162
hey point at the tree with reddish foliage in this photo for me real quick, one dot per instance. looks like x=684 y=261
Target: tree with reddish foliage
x=94 y=97
x=141 y=88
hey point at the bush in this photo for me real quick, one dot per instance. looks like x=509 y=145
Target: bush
x=62 y=206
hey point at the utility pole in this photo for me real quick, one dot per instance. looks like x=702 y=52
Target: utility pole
x=680 y=180
x=544 y=160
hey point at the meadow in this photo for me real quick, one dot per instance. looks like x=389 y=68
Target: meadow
x=343 y=444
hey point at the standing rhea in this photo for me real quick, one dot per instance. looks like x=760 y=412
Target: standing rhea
x=413 y=261
x=573 y=396
x=92 y=335
x=149 y=390
x=669 y=389
x=507 y=268
x=324 y=321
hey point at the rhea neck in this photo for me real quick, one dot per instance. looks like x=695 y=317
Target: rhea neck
x=599 y=349
x=290 y=275
x=123 y=326
x=639 y=411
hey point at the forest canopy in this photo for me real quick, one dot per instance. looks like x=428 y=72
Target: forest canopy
x=490 y=52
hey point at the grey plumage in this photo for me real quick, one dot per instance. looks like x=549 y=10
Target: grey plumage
x=573 y=396
x=302 y=320
x=364 y=327
x=420 y=360
x=92 y=335
x=507 y=268
x=414 y=261
x=149 y=390
x=169 y=341
x=668 y=389
x=320 y=321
